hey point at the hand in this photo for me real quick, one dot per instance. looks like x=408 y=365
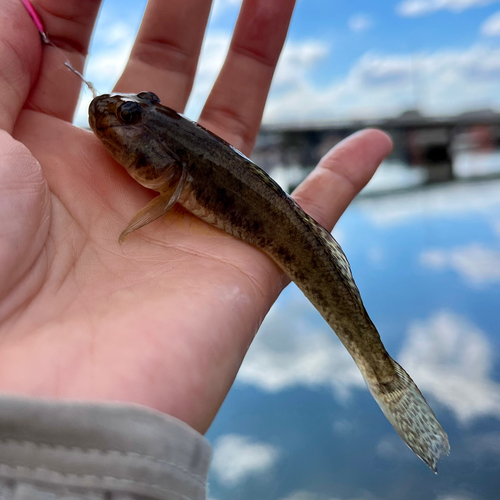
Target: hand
x=165 y=319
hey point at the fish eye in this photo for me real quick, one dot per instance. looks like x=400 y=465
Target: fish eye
x=129 y=113
x=149 y=96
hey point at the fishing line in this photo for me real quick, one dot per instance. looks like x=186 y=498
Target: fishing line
x=46 y=40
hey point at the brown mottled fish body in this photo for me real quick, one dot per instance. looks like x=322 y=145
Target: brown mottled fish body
x=188 y=164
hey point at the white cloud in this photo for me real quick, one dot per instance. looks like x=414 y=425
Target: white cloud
x=412 y=8
x=303 y=101
x=444 y=82
x=491 y=27
x=107 y=65
x=451 y=359
x=375 y=70
x=295 y=62
x=360 y=22
x=117 y=33
x=287 y=352
x=377 y=85
x=297 y=59
x=477 y=264
x=236 y=458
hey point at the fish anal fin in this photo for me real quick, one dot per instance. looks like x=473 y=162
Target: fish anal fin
x=156 y=208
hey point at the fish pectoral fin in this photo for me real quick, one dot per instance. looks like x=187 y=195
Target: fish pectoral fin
x=153 y=210
x=156 y=207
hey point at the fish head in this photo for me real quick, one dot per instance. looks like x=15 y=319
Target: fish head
x=124 y=123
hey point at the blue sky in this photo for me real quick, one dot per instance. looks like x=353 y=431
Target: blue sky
x=343 y=60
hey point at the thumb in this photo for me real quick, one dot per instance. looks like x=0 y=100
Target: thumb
x=24 y=218
x=341 y=174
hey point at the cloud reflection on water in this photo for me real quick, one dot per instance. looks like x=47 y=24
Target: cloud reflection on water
x=476 y=263
x=293 y=348
x=439 y=327
x=236 y=458
x=451 y=359
x=448 y=200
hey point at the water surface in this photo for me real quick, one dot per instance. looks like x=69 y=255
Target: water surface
x=299 y=423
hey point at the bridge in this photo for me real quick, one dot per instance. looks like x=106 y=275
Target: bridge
x=423 y=141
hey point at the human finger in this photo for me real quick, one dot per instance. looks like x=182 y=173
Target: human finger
x=165 y=53
x=69 y=26
x=341 y=174
x=234 y=107
x=20 y=54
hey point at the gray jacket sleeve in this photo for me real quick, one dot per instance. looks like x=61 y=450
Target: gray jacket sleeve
x=53 y=450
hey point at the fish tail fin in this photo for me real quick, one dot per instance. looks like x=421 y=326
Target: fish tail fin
x=412 y=418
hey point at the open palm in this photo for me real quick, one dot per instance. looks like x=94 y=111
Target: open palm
x=165 y=319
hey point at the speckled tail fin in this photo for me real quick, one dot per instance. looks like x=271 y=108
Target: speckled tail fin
x=414 y=421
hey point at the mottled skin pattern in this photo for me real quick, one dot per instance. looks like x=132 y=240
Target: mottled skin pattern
x=227 y=190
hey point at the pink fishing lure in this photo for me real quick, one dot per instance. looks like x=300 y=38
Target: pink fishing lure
x=36 y=19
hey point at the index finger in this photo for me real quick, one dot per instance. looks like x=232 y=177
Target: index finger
x=69 y=26
x=234 y=107
x=20 y=54
x=165 y=54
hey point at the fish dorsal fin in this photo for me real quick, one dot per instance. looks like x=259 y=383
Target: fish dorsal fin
x=339 y=259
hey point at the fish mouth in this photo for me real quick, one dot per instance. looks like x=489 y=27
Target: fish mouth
x=92 y=115
x=99 y=108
